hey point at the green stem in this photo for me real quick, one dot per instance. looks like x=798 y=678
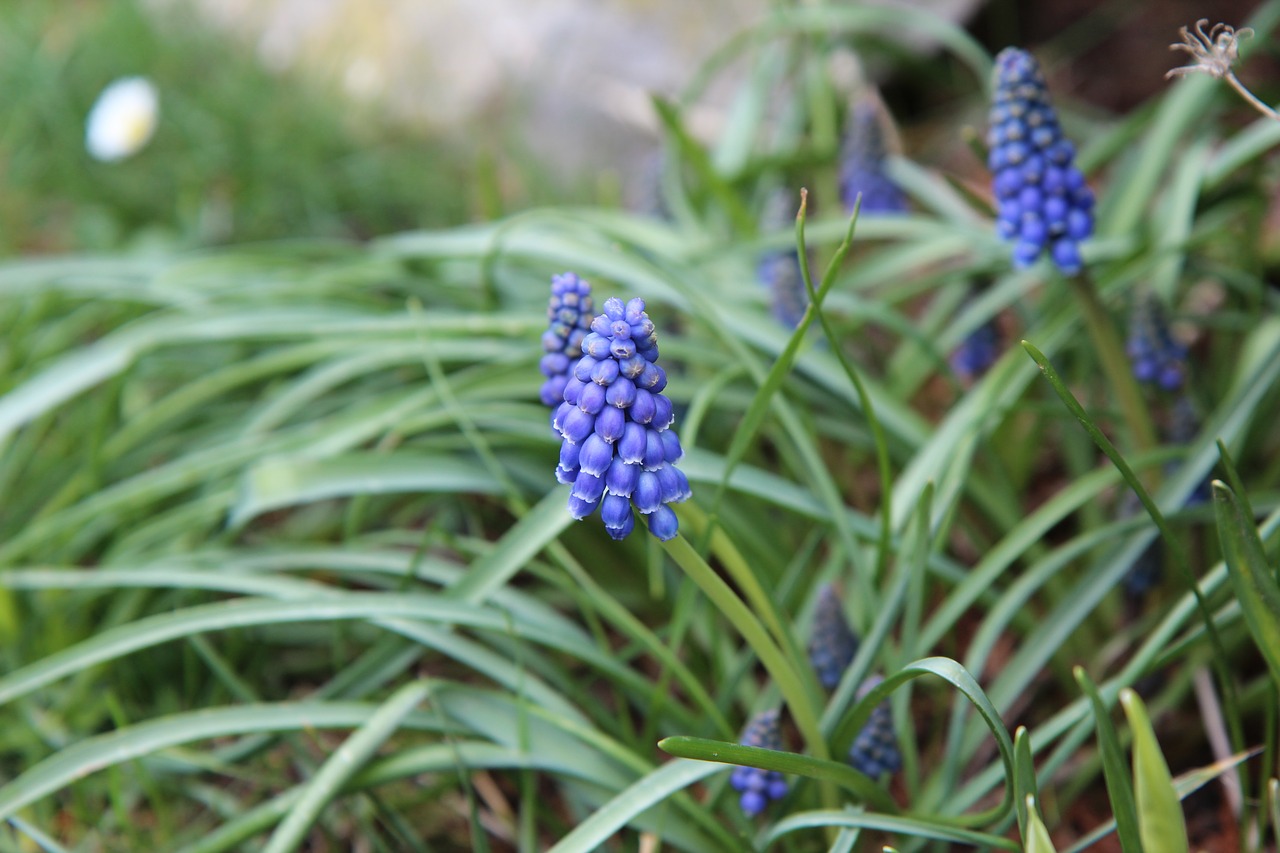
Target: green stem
x=864 y=399
x=1115 y=364
x=775 y=662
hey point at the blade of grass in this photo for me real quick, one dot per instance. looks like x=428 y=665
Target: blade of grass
x=1251 y=574
x=702 y=749
x=1119 y=788
x=1161 y=824
x=345 y=762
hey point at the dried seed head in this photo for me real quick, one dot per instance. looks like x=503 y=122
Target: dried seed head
x=1213 y=52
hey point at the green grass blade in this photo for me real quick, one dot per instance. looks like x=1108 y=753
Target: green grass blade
x=1119 y=788
x=1036 y=835
x=538 y=528
x=957 y=676
x=1161 y=824
x=101 y=751
x=898 y=825
x=276 y=483
x=703 y=749
x=650 y=790
x=43 y=841
x=1251 y=575
x=1024 y=782
x=347 y=760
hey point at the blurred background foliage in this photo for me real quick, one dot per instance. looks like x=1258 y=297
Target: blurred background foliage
x=241 y=153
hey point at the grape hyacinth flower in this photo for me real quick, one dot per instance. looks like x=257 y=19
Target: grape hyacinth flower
x=1155 y=355
x=619 y=450
x=875 y=749
x=779 y=271
x=1044 y=204
x=977 y=352
x=569 y=316
x=758 y=786
x=862 y=155
x=832 y=644
x=1148 y=568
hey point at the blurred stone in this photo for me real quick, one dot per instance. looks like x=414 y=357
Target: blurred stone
x=569 y=79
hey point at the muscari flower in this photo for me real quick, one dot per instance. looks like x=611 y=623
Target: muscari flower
x=619 y=450
x=977 y=352
x=758 y=786
x=779 y=271
x=1043 y=201
x=875 y=749
x=1155 y=355
x=569 y=316
x=832 y=644
x=862 y=155
x=122 y=120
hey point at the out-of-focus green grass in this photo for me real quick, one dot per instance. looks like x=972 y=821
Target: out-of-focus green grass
x=240 y=153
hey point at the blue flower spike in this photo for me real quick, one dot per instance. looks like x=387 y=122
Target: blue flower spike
x=832 y=644
x=1044 y=205
x=862 y=157
x=875 y=749
x=758 y=786
x=569 y=314
x=977 y=352
x=779 y=271
x=619 y=451
x=1157 y=358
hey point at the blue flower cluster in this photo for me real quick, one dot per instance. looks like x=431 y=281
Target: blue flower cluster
x=862 y=155
x=875 y=749
x=977 y=352
x=779 y=271
x=832 y=643
x=569 y=318
x=758 y=786
x=619 y=449
x=1043 y=200
x=1156 y=357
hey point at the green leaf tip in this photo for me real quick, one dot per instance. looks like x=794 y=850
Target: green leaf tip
x=1161 y=825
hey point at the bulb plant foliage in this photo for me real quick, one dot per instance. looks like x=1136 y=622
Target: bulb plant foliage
x=297 y=505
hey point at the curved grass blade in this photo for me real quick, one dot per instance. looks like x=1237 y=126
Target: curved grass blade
x=958 y=677
x=1161 y=824
x=703 y=749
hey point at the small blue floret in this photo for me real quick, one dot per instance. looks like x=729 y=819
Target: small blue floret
x=758 y=786
x=875 y=749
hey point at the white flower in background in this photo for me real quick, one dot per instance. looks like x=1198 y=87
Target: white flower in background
x=122 y=119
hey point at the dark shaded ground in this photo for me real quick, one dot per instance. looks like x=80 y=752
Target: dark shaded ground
x=1113 y=54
